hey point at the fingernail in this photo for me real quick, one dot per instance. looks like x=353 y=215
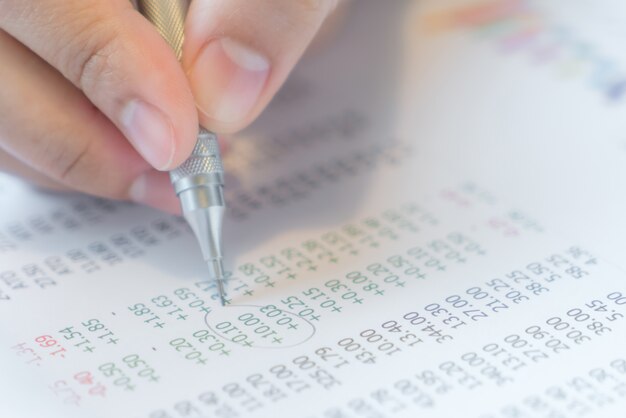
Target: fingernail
x=227 y=79
x=154 y=189
x=150 y=131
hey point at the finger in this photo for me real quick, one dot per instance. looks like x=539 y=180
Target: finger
x=50 y=126
x=152 y=189
x=237 y=53
x=13 y=166
x=120 y=62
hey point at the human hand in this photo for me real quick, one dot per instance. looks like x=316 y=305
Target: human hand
x=93 y=99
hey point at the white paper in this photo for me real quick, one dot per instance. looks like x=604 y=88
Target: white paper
x=428 y=221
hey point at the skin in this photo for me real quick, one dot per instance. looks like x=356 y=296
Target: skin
x=92 y=99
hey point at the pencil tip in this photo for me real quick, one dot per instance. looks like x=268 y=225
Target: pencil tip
x=216 y=269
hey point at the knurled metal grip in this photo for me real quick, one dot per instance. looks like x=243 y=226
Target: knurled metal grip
x=203 y=167
x=168 y=16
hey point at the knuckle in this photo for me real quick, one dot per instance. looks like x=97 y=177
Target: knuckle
x=74 y=162
x=69 y=164
x=62 y=154
x=84 y=171
x=69 y=156
x=93 y=54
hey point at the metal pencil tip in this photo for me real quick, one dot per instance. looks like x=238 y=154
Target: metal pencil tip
x=220 y=290
x=216 y=270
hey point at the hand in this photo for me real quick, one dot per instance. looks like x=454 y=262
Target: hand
x=93 y=99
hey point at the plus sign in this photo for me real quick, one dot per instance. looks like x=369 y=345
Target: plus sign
x=334 y=260
x=380 y=292
x=315 y=317
x=181 y=316
x=312 y=268
x=154 y=378
x=277 y=340
x=247 y=343
x=227 y=301
x=441 y=268
x=400 y=284
x=201 y=361
x=336 y=309
x=354 y=252
x=89 y=349
x=113 y=340
x=248 y=292
x=205 y=309
x=291 y=276
x=293 y=326
x=225 y=353
x=270 y=284
x=159 y=325
x=359 y=301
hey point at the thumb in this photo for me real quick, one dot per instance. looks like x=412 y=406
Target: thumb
x=118 y=60
x=238 y=53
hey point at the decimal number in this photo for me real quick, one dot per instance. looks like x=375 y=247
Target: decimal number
x=423 y=325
